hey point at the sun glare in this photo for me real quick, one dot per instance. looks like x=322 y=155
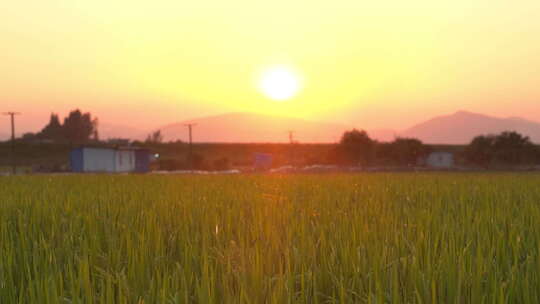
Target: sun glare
x=279 y=83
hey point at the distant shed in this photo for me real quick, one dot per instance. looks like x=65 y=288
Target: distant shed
x=262 y=161
x=107 y=160
x=124 y=160
x=440 y=159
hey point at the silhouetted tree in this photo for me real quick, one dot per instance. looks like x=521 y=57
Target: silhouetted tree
x=514 y=148
x=154 y=137
x=402 y=151
x=354 y=148
x=79 y=127
x=507 y=148
x=480 y=150
x=53 y=130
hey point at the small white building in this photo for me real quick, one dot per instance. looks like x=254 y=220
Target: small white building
x=440 y=160
x=124 y=160
x=88 y=159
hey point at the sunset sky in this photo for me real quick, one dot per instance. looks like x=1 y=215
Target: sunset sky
x=373 y=64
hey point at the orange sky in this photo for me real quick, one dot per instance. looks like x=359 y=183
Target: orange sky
x=387 y=64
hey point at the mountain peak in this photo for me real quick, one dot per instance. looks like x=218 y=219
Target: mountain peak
x=465 y=113
x=462 y=126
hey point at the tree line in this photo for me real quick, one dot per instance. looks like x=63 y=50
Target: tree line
x=508 y=148
x=77 y=128
x=357 y=148
x=354 y=148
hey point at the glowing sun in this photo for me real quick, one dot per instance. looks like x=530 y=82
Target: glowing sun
x=279 y=83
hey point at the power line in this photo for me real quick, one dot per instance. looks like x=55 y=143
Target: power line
x=190 y=155
x=12 y=115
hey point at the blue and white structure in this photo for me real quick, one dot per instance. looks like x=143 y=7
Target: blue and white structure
x=107 y=160
x=440 y=159
x=262 y=161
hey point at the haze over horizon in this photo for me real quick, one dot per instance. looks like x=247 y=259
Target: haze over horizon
x=378 y=65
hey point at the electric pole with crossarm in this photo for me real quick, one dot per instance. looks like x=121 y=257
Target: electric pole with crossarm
x=13 y=164
x=291 y=148
x=190 y=155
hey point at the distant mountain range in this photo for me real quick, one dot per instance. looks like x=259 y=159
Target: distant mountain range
x=251 y=127
x=457 y=128
x=462 y=126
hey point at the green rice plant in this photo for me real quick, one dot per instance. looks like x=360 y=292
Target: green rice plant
x=363 y=238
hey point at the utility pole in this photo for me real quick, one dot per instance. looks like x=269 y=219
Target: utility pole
x=291 y=147
x=13 y=165
x=291 y=137
x=190 y=155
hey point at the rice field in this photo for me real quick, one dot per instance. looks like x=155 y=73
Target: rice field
x=366 y=238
